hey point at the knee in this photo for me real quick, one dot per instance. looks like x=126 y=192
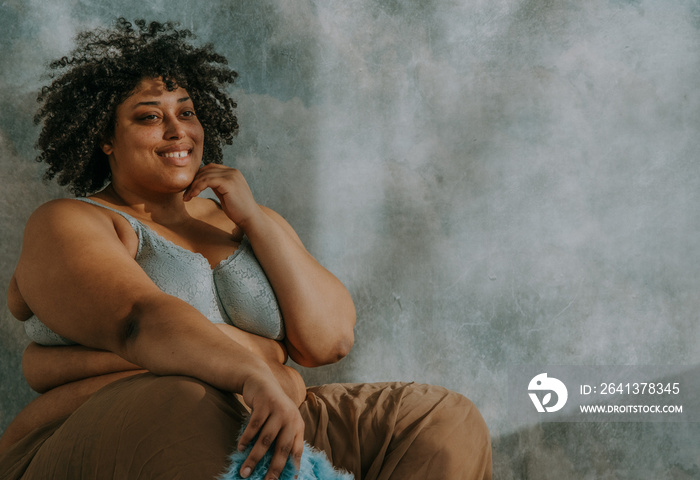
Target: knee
x=455 y=412
x=456 y=434
x=470 y=440
x=470 y=416
x=451 y=410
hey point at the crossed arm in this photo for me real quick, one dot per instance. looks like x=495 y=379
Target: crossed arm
x=104 y=301
x=46 y=368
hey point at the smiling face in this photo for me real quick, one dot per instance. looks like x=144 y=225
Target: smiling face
x=157 y=142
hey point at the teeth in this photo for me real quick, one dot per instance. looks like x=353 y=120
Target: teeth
x=176 y=154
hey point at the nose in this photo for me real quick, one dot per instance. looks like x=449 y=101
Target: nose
x=174 y=129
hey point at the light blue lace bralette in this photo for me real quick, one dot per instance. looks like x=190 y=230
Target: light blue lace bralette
x=235 y=292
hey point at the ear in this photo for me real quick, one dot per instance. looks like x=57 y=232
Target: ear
x=107 y=148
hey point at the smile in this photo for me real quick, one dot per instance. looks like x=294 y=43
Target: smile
x=181 y=154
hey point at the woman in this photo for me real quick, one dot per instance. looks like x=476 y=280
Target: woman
x=130 y=280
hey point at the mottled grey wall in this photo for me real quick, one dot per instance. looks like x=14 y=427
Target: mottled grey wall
x=498 y=183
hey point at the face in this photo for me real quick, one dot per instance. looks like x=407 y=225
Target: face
x=157 y=142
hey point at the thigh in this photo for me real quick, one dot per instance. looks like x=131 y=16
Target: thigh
x=144 y=427
x=398 y=431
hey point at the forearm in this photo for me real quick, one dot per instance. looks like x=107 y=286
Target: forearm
x=318 y=311
x=169 y=337
x=274 y=354
x=45 y=368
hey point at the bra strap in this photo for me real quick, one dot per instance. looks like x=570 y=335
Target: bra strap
x=128 y=217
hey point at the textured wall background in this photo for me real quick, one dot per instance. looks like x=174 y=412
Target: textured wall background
x=498 y=183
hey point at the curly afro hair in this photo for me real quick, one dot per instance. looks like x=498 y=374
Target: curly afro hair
x=79 y=106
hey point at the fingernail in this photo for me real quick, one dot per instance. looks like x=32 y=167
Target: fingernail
x=245 y=473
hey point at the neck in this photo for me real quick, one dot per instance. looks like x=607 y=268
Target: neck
x=157 y=207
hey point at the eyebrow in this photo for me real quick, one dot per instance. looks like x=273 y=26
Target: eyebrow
x=155 y=102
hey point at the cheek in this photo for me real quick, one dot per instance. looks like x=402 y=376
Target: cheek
x=198 y=133
x=146 y=138
x=134 y=140
x=198 y=136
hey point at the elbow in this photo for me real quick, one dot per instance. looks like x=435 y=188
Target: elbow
x=339 y=350
x=330 y=351
x=342 y=342
x=346 y=339
x=128 y=332
x=334 y=338
x=343 y=346
x=337 y=346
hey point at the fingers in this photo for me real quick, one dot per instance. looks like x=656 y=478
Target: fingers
x=211 y=176
x=287 y=437
x=276 y=420
x=230 y=187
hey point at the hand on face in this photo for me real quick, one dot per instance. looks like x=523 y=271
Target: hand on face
x=231 y=189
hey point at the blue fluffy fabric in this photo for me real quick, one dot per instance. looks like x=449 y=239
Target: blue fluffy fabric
x=314 y=466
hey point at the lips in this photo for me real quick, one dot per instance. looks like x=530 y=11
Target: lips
x=176 y=154
x=180 y=154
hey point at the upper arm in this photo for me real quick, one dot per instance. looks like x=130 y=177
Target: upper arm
x=75 y=274
x=279 y=220
x=319 y=329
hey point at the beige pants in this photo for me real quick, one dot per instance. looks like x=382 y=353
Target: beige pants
x=149 y=427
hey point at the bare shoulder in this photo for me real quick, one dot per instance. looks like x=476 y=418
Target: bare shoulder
x=40 y=233
x=64 y=231
x=54 y=227
x=63 y=218
x=76 y=274
x=64 y=213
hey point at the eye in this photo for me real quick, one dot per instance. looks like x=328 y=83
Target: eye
x=151 y=117
x=188 y=113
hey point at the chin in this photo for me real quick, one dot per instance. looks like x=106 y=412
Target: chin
x=173 y=186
